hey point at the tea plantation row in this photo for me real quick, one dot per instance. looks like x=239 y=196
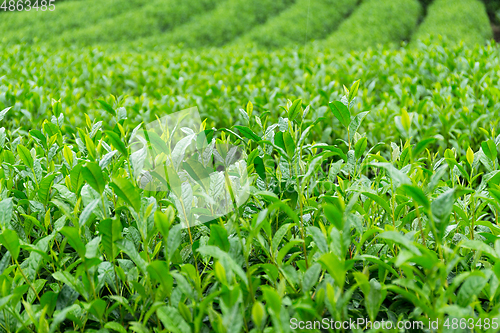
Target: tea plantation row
x=375 y=200
x=160 y=24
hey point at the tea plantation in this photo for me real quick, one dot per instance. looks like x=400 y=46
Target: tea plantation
x=371 y=171
x=160 y=24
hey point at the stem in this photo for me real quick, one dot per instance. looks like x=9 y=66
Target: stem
x=420 y=225
x=118 y=289
x=34 y=176
x=27 y=281
x=104 y=207
x=91 y=281
x=349 y=137
x=189 y=232
x=15 y=314
x=302 y=230
x=393 y=200
x=473 y=208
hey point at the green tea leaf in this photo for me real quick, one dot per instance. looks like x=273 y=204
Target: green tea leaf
x=470 y=156
x=360 y=147
x=87 y=212
x=334 y=267
x=442 y=208
x=258 y=314
x=128 y=247
x=10 y=240
x=172 y=320
x=219 y=237
x=422 y=145
x=418 y=195
x=4 y=112
x=73 y=236
x=397 y=238
x=107 y=107
x=39 y=136
x=405 y=120
x=112 y=325
x=470 y=289
x=334 y=216
x=311 y=277
x=6 y=209
x=289 y=144
x=353 y=91
x=248 y=133
x=341 y=112
x=355 y=123
x=163 y=221
x=25 y=156
x=273 y=300
x=489 y=149
x=180 y=149
x=381 y=201
x=319 y=238
x=396 y=175
x=110 y=231
x=116 y=142
x=125 y=190
x=374 y=298
x=225 y=259
x=93 y=175
x=157 y=143
x=44 y=188
x=159 y=270
x=294 y=110
x=174 y=240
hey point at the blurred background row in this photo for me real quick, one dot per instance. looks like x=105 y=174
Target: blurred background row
x=337 y=24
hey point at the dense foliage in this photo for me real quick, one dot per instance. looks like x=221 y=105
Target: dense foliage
x=153 y=18
x=46 y=26
x=230 y=19
x=311 y=20
x=160 y=24
x=462 y=20
x=377 y=22
x=374 y=175
x=379 y=200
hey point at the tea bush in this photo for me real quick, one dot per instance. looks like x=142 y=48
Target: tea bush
x=377 y=22
x=376 y=200
x=152 y=19
x=304 y=21
x=219 y=82
x=230 y=19
x=159 y=24
x=462 y=20
x=48 y=25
